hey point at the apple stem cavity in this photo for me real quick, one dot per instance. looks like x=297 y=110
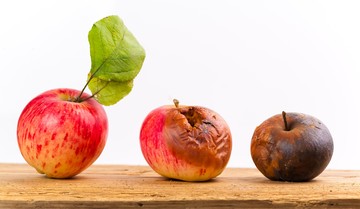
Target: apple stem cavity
x=285 y=122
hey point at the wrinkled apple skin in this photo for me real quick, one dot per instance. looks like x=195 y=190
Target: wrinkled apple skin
x=188 y=143
x=298 y=154
x=61 y=138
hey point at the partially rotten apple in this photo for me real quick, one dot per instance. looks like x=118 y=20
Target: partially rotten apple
x=291 y=147
x=189 y=143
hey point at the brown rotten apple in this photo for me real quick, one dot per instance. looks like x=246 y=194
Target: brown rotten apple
x=189 y=143
x=291 y=147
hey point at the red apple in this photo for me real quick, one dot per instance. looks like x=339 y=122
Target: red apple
x=189 y=143
x=291 y=147
x=60 y=137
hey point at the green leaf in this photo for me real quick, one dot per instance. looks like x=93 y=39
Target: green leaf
x=116 y=59
x=110 y=91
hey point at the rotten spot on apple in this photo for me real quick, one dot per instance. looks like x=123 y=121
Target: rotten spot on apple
x=189 y=143
x=291 y=147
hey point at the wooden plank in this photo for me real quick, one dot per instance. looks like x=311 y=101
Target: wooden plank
x=120 y=186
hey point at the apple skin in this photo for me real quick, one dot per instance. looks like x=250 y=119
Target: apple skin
x=189 y=143
x=298 y=154
x=61 y=138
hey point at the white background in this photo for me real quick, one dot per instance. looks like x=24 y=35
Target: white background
x=247 y=60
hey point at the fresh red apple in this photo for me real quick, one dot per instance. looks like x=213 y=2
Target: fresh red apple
x=291 y=147
x=189 y=143
x=60 y=135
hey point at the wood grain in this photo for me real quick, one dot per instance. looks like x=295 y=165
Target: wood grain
x=121 y=186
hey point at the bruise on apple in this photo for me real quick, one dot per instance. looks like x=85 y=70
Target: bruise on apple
x=199 y=136
x=298 y=154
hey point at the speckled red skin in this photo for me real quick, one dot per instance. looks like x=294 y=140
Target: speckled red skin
x=298 y=154
x=176 y=149
x=61 y=138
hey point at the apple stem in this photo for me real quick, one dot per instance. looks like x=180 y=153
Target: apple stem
x=78 y=98
x=285 y=122
x=94 y=94
x=176 y=103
